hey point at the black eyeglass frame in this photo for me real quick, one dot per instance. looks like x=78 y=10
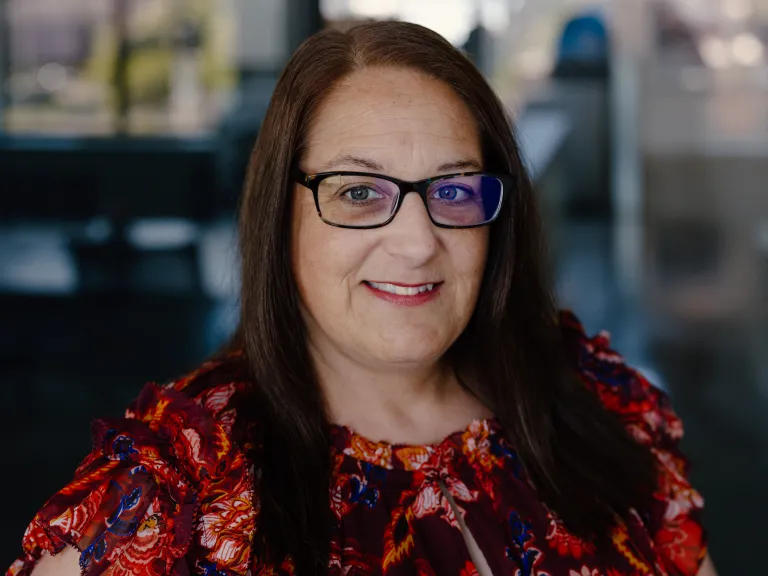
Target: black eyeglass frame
x=312 y=181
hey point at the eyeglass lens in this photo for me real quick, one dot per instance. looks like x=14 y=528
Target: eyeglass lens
x=359 y=201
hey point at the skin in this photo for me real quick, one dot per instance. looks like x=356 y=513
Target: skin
x=370 y=352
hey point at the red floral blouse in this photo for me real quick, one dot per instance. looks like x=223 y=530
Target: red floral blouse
x=166 y=491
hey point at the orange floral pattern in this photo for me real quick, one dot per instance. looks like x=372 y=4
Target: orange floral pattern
x=167 y=490
x=566 y=543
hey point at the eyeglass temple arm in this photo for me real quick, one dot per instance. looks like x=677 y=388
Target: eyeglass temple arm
x=301 y=177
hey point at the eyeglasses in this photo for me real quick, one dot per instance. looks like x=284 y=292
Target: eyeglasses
x=363 y=200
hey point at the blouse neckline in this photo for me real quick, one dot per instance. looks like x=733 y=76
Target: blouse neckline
x=475 y=437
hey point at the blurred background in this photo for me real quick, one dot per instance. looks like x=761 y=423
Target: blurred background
x=125 y=128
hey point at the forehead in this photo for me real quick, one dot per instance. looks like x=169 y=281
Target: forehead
x=400 y=119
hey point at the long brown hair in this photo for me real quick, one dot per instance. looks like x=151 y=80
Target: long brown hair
x=579 y=457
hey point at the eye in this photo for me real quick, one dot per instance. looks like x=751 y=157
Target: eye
x=361 y=193
x=451 y=193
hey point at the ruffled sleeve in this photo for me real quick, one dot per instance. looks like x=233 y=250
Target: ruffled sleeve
x=138 y=503
x=674 y=520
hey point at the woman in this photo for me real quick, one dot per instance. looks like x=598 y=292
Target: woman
x=401 y=396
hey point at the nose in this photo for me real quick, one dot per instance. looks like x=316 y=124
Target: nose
x=411 y=235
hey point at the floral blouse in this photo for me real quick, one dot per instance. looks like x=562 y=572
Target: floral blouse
x=167 y=491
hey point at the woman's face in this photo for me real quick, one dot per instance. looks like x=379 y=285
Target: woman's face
x=401 y=124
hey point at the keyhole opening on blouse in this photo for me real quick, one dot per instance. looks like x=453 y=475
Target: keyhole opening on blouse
x=475 y=554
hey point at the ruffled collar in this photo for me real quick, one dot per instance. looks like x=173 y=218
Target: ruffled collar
x=480 y=437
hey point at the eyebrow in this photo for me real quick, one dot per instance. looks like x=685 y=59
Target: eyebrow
x=348 y=159
x=460 y=165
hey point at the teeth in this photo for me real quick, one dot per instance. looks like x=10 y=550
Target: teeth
x=402 y=290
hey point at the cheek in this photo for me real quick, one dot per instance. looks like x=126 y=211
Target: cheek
x=325 y=259
x=468 y=254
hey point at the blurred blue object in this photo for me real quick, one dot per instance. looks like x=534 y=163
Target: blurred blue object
x=584 y=39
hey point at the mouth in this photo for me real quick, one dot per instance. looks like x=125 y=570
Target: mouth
x=403 y=289
x=404 y=294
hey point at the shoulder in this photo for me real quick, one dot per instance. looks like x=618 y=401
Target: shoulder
x=675 y=518
x=193 y=417
x=148 y=497
x=204 y=400
x=643 y=408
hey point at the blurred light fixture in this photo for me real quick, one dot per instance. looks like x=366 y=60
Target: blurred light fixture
x=52 y=76
x=747 y=50
x=535 y=63
x=98 y=229
x=737 y=10
x=375 y=8
x=494 y=15
x=715 y=53
x=161 y=233
x=452 y=19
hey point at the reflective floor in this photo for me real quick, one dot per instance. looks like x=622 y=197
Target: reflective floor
x=68 y=357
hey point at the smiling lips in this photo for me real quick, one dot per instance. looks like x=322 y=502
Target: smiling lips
x=400 y=289
x=404 y=295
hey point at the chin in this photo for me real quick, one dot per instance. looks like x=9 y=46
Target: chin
x=406 y=347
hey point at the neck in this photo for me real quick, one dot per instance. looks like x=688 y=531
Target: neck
x=400 y=403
